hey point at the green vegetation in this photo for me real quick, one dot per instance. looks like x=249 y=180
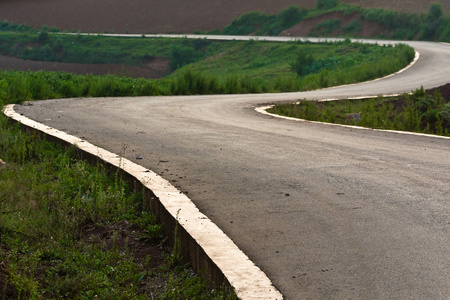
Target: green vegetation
x=326 y=27
x=260 y=23
x=68 y=229
x=431 y=26
x=326 y=4
x=417 y=112
x=207 y=67
x=44 y=46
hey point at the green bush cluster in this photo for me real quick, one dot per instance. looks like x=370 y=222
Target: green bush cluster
x=7 y=26
x=326 y=4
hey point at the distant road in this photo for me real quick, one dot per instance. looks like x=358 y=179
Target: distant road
x=327 y=212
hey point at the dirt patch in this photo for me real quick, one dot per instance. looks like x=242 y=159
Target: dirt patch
x=306 y=27
x=400 y=103
x=444 y=90
x=125 y=235
x=170 y=16
x=156 y=68
x=136 y=16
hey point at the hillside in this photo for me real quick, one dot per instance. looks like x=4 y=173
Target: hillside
x=155 y=16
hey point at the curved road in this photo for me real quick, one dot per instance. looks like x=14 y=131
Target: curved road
x=327 y=212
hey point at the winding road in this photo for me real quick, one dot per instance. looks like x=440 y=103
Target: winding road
x=327 y=212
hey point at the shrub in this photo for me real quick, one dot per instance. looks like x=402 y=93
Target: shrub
x=301 y=65
x=43 y=35
x=326 y=27
x=182 y=55
x=352 y=27
x=291 y=15
x=326 y=4
x=247 y=23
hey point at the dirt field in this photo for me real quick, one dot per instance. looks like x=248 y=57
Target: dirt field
x=156 y=16
x=156 y=69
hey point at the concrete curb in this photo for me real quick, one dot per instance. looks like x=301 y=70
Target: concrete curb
x=263 y=110
x=206 y=246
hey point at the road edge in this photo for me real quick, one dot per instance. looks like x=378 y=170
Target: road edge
x=207 y=247
x=263 y=110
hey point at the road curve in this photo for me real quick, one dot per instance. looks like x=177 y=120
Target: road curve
x=326 y=212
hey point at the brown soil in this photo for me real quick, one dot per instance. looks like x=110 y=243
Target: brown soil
x=157 y=68
x=124 y=236
x=400 y=103
x=369 y=29
x=156 y=16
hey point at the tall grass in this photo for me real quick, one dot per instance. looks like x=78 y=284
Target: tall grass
x=48 y=198
x=417 y=112
x=233 y=72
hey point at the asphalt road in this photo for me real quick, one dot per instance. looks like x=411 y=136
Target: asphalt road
x=327 y=212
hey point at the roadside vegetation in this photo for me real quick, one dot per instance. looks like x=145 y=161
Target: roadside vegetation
x=199 y=66
x=72 y=230
x=433 y=25
x=69 y=229
x=416 y=112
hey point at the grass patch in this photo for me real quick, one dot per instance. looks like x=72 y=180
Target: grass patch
x=417 y=112
x=69 y=229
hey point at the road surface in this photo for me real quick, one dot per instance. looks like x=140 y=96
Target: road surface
x=327 y=212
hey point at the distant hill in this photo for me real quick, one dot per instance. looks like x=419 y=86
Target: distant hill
x=168 y=16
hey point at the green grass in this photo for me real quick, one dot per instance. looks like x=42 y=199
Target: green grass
x=202 y=67
x=48 y=198
x=418 y=112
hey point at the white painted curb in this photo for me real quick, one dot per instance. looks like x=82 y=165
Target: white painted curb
x=248 y=281
x=263 y=110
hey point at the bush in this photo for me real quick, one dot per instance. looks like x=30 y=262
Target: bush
x=326 y=27
x=326 y=4
x=182 y=55
x=302 y=64
x=43 y=35
x=248 y=23
x=291 y=16
x=352 y=27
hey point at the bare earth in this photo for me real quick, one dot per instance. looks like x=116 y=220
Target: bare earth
x=156 y=16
